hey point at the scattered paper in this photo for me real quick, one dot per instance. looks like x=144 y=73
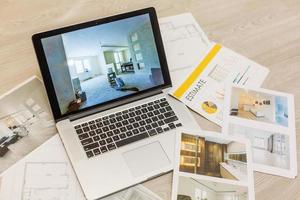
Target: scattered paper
x=203 y=89
x=267 y=119
x=209 y=165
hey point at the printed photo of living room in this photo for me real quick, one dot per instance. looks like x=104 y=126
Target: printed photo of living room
x=213 y=157
x=197 y=189
x=259 y=106
x=268 y=147
x=25 y=121
x=104 y=62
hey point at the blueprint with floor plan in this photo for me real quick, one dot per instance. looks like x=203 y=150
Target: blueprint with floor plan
x=185 y=44
x=46 y=174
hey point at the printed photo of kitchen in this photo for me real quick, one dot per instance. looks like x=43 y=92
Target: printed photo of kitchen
x=268 y=147
x=259 y=106
x=197 y=189
x=213 y=156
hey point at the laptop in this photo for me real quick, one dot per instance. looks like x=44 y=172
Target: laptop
x=107 y=83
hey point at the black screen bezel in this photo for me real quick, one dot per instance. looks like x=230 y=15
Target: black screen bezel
x=44 y=68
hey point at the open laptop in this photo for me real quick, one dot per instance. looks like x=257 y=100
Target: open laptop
x=106 y=81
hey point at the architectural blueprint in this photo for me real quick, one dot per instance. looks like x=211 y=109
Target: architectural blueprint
x=185 y=44
x=43 y=174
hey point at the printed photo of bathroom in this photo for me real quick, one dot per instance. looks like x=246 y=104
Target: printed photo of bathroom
x=212 y=156
x=103 y=62
x=25 y=121
x=259 y=106
x=197 y=189
x=268 y=147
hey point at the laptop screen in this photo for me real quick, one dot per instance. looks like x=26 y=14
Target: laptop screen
x=105 y=62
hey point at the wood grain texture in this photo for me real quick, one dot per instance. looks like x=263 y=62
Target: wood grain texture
x=263 y=30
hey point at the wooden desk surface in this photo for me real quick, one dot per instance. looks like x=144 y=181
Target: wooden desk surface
x=265 y=31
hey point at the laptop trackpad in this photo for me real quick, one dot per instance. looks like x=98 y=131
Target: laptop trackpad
x=146 y=159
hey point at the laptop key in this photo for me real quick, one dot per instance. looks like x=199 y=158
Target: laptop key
x=142 y=129
x=84 y=124
x=79 y=131
x=109 y=133
x=135 y=125
x=99 y=125
x=116 y=138
x=87 y=141
x=89 y=154
x=166 y=129
x=142 y=123
x=112 y=126
x=96 y=138
x=106 y=122
x=93 y=127
x=113 y=120
x=123 y=129
x=102 y=142
x=77 y=126
x=109 y=140
x=116 y=131
x=91 y=146
x=159 y=130
x=122 y=135
x=131 y=120
x=169 y=114
x=144 y=116
x=154 y=125
x=172 y=126
x=148 y=127
x=92 y=133
x=103 y=149
x=83 y=136
x=161 y=123
x=86 y=129
x=118 y=124
x=98 y=131
x=105 y=129
x=168 y=108
x=152 y=132
x=132 y=139
x=171 y=119
x=163 y=104
x=97 y=151
x=178 y=125
x=103 y=136
x=111 y=147
x=92 y=122
x=135 y=131
x=129 y=133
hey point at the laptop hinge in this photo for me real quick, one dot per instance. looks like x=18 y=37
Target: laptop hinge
x=112 y=105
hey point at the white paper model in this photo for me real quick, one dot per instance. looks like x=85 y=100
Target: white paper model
x=267 y=119
x=25 y=121
x=210 y=166
x=203 y=89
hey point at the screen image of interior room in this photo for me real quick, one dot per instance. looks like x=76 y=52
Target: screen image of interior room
x=102 y=63
x=268 y=147
x=259 y=106
x=25 y=122
x=196 y=189
x=213 y=157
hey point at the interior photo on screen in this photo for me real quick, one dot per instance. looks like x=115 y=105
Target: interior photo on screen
x=93 y=65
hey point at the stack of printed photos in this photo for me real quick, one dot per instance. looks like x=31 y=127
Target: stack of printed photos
x=258 y=130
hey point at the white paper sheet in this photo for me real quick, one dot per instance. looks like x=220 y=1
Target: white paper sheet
x=46 y=173
x=184 y=42
x=209 y=165
x=267 y=119
x=203 y=89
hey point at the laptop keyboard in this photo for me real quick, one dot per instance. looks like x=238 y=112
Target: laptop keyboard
x=116 y=130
